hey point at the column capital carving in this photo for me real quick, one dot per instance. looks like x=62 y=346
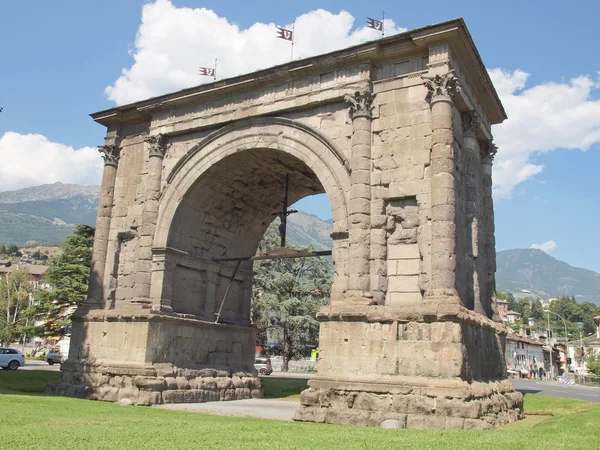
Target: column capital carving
x=445 y=85
x=488 y=151
x=361 y=104
x=157 y=145
x=470 y=123
x=111 y=154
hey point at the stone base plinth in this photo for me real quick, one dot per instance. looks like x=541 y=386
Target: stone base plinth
x=151 y=358
x=154 y=384
x=428 y=366
x=434 y=403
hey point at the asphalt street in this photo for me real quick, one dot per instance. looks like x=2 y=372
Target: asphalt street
x=556 y=389
x=31 y=364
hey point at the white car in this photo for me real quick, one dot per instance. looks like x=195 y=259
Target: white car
x=11 y=358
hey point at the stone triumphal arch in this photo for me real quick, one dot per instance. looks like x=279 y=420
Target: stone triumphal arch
x=397 y=134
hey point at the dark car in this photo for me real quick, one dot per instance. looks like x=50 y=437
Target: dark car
x=263 y=365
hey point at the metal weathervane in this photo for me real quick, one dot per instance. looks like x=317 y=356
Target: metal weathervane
x=209 y=71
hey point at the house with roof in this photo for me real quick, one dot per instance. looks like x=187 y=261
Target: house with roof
x=577 y=349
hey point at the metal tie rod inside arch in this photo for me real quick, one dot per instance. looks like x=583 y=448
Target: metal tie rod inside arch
x=278 y=253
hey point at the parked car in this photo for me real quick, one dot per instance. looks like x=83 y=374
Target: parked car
x=54 y=357
x=263 y=365
x=11 y=358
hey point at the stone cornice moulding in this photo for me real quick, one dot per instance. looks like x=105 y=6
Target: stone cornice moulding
x=399 y=45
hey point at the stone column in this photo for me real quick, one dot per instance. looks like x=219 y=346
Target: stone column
x=111 y=154
x=361 y=107
x=471 y=121
x=157 y=147
x=488 y=151
x=441 y=90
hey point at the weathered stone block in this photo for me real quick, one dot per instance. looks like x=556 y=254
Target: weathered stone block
x=413 y=404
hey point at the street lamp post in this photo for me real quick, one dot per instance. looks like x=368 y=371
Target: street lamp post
x=550 y=346
x=547 y=311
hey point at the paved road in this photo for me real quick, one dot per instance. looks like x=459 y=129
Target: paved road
x=304 y=376
x=264 y=409
x=31 y=364
x=556 y=389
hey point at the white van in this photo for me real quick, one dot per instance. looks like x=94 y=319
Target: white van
x=59 y=353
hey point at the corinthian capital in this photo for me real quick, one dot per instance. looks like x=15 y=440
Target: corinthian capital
x=111 y=154
x=157 y=145
x=361 y=104
x=441 y=85
x=470 y=123
x=488 y=151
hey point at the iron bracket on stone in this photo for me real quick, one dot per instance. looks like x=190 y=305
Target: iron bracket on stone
x=283 y=214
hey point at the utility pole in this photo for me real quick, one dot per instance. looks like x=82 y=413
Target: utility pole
x=550 y=346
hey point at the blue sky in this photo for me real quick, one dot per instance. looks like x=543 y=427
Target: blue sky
x=59 y=57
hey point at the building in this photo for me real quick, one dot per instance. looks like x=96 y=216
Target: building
x=502 y=306
x=37 y=273
x=525 y=357
x=578 y=349
x=513 y=317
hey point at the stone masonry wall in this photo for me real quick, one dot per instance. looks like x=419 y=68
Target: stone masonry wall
x=400 y=208
x=158 y=359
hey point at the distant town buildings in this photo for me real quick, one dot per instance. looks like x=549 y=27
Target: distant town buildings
x=37 y=272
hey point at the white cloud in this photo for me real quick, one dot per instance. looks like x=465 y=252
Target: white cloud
x=173 y=42
x=541 y=118
x=547 y=246
x=31 y=159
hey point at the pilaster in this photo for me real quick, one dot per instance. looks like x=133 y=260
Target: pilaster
x=488 y=151
x=361 y=107
x=470 y=124
x=441 y=90
x=111 y=153
x=157 y=148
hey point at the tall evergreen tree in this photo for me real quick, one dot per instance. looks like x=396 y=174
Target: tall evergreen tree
x=286 y=296
x=68 y=276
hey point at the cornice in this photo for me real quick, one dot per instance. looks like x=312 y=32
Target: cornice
x=372 y=52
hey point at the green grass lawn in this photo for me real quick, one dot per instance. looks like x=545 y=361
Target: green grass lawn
x=283 y=388
x=33 y=420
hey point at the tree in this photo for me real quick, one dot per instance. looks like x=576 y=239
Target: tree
x=568 y=308
x=525 y=310
x=68 y=275
x=3 y=250
x=286 y=296
x=17 y=316
x=592 y=361
x=537 y=310
x=12 y=249
x=512 y=303
x=37 y=255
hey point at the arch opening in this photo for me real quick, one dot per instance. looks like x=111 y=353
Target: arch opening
x=224 y=214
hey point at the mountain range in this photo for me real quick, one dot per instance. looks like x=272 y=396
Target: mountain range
x=46 y=214
x=533 y=272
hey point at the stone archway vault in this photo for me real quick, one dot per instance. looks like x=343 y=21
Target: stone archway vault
x=397 y=133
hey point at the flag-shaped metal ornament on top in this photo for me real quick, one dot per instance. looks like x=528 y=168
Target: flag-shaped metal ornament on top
x=282 y=33
x=377 y=24
x=287 y=35
x=209 y=71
